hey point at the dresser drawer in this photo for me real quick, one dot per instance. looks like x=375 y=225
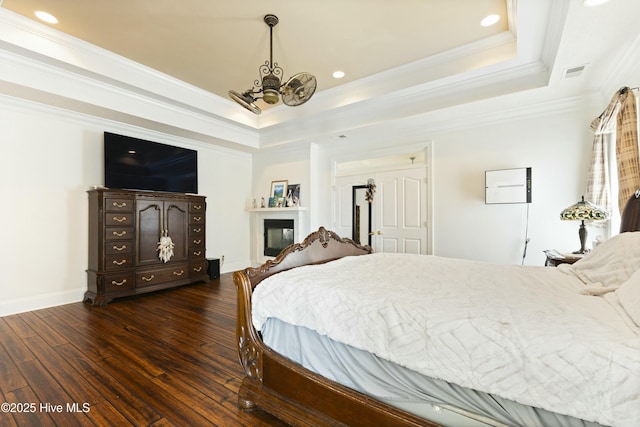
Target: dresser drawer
x=118 y=233
x=196 y=230
x=196 y=242
x=112 y=262
x=198 y=268
x=118 y=247
x=196 y=253
x=196 y=218
x=118 y=218
x=197 y=207
x=118 y=205
x=119 y=282
x=158 y=276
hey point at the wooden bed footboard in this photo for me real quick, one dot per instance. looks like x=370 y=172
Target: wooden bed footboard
x=284 y=388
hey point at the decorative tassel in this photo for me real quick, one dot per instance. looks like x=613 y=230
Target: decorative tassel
x=165 y=248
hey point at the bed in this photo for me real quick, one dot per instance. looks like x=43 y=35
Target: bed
x=329 y=333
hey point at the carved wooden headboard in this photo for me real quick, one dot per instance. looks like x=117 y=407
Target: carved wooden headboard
x=630 y=220
x=317 y=248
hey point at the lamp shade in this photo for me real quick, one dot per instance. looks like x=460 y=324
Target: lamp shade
x=584 y=211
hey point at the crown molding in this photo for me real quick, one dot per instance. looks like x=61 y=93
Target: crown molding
x=446 y=93
x=469 y=60
x=626 y=71
x=57 y=66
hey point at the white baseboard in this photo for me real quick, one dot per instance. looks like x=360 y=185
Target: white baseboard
x=21 y=305
x=229 y=267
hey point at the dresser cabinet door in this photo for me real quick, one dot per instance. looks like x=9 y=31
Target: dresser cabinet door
x=177 y=226
x=156 y=218
x=149 y=229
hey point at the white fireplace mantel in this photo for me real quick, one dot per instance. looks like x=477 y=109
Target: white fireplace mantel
x=300 y=228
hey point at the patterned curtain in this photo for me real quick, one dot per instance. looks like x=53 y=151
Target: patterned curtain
x=621 y=116
x=599 y=176
x=627 y=156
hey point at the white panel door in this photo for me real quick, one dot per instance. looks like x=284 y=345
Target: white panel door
x=400 y=205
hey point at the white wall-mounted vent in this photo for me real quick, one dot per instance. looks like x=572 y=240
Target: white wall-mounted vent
x=573 y=71
x=508 y=186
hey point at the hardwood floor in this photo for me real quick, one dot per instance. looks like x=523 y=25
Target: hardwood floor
x=162 y=359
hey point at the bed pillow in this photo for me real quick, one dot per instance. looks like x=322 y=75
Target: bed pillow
x=611 y=263
x=629 y=296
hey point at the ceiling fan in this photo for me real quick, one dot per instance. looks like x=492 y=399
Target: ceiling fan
x=295 y=91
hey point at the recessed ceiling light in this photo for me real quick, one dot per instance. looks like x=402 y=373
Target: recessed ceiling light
x=489 y=20
x=593 y=3
x=338 y=74
x=46 y=17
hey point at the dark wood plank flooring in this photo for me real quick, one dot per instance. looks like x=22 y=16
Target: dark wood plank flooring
x=162 y=359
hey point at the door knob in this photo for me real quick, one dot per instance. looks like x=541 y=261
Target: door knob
x=379 y=233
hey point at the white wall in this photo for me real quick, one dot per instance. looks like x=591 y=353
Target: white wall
x=557 y=147
x=277 y=164
x=555 y=143
x=49 y=158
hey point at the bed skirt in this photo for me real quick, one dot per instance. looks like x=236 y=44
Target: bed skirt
x=435 y=400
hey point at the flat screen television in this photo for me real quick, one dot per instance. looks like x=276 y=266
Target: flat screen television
x=136 y=164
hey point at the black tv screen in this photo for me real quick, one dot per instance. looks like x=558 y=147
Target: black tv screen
x=135 y=164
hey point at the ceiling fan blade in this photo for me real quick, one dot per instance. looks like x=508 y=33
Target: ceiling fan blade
x=299 y=89
x=246 y=100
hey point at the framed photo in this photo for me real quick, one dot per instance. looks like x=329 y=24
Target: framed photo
x=293 y=195
x=279 y=189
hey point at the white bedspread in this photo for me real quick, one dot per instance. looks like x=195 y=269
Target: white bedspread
x=523 y=333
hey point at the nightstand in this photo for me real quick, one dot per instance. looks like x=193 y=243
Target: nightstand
x=555 y=258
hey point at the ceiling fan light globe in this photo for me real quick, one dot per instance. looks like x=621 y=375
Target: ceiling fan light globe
x=270 y=96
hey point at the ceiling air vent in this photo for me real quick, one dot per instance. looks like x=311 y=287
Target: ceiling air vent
x=573 y=71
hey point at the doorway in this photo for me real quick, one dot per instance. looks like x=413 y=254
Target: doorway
x=399 y=211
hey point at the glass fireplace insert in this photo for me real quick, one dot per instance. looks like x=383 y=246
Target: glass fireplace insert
x=278 y=234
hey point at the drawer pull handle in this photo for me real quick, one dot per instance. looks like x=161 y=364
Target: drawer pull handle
x=197 y=218
x=197 y=253
x=197 y=230
x=124 y=261
x=119 y=233
x=197 y=269
x=178 y=273
x=119 y=248
x=197 y=207
x=113 y=282
x=120 y=205
x=148 y=279
x=123 y=219
x=197 y=242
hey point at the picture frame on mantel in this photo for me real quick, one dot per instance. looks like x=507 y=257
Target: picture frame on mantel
x=279 y=189
x=293 y=196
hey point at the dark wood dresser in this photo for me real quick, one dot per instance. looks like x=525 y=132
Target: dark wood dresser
x=125 y=231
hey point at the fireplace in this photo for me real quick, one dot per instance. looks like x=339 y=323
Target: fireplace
x=278 y=234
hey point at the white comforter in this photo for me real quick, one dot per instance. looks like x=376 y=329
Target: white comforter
x=523 y=333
